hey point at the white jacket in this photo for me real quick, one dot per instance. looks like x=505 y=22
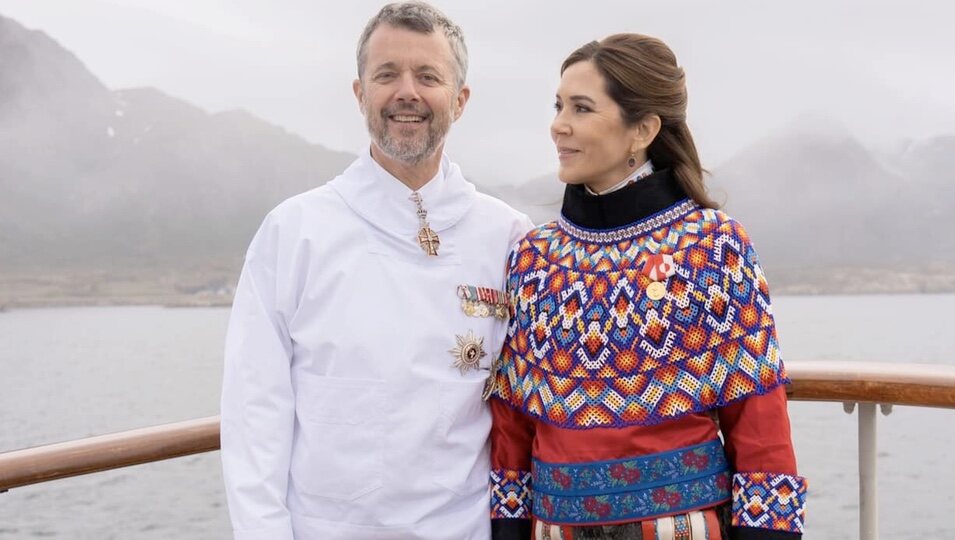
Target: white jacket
x=342 y=413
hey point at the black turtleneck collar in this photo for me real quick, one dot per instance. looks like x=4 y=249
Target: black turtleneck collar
x=637 y=201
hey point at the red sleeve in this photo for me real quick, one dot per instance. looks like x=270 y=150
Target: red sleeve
x=756 y=434
x=512 y=434
x=768 y=495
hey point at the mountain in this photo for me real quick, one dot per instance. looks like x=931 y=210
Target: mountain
x=932 y=162
x=96 y=177
x=820 y=205
x=539 y=198
x=812 y=195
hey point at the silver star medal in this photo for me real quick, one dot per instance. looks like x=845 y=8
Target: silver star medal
x=468 y=352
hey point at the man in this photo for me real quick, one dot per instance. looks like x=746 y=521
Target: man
x=366 y=318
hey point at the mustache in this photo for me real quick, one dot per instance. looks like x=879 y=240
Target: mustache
x=405 y=108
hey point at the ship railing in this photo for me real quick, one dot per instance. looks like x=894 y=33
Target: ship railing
x=866 y=386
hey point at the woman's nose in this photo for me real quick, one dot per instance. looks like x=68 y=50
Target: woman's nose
x=559 y=126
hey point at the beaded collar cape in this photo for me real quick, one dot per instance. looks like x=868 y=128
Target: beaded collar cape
x=590 y=344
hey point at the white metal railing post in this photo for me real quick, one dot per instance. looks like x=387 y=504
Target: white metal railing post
x=868 y=492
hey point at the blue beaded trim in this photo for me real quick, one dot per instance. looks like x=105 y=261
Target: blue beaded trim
x=628 y=232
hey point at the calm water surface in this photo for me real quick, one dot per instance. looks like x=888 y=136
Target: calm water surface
x=70 y=373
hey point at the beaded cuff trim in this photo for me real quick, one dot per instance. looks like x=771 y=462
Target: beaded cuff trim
x=769 y=501
x=510 y=494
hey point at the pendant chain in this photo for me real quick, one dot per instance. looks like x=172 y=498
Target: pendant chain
x=427 y=238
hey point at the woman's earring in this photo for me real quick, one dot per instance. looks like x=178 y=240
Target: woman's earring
x=632 y=162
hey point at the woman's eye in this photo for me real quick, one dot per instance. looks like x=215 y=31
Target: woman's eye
x=581 y=108
x=558 y=107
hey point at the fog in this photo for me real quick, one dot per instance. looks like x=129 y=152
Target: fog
x=882 y=69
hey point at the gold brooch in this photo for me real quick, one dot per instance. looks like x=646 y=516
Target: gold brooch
x=469 y=352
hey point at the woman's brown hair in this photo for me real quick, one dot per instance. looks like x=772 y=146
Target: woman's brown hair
x=643 y=78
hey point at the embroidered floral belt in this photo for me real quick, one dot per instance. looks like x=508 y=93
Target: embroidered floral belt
x=631 y=489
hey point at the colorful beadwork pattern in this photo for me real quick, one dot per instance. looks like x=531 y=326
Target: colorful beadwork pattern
x=588 y=347
x=510 y=494
x=631 y=489
x=769 y=501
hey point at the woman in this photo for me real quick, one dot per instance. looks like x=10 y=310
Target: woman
x=642 y=331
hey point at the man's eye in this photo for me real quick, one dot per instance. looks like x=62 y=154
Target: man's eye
x=429 y=78
x=384 y=76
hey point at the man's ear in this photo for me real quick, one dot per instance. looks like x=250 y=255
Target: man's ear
x=359 y=94
x=461 y=100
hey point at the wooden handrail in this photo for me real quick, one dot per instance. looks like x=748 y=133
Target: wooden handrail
x=105 y=452
x=925 y=385
x=922 y=385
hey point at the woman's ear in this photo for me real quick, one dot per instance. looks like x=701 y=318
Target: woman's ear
x=645 y=131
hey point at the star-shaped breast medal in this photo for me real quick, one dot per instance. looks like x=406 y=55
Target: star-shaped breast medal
x=468 y=353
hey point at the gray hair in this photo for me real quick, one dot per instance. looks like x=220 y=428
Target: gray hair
x=417 y=17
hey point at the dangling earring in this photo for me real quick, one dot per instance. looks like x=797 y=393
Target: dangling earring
x=632 y=162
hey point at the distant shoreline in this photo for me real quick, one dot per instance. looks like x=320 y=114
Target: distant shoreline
x=185 y=287
x=48 y=303
x=854 y=281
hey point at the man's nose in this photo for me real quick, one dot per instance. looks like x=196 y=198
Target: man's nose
x=408 y=88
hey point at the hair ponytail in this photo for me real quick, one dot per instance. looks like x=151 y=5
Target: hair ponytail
x=673 y=148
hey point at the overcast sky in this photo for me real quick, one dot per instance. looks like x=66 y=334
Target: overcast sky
x=882 y=68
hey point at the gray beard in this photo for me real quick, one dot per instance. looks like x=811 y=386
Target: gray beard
x=408 y=151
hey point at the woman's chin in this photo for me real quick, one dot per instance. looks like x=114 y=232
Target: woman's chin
x=568 y=178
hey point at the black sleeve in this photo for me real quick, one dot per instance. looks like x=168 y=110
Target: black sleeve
x=755 y=533
x=510 y=529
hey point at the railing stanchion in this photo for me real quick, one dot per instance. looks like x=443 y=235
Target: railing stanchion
x=868 y=490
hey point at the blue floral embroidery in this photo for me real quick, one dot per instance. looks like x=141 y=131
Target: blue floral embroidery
x=631 y=489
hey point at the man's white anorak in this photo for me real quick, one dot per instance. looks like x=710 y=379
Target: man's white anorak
x=343 y=416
